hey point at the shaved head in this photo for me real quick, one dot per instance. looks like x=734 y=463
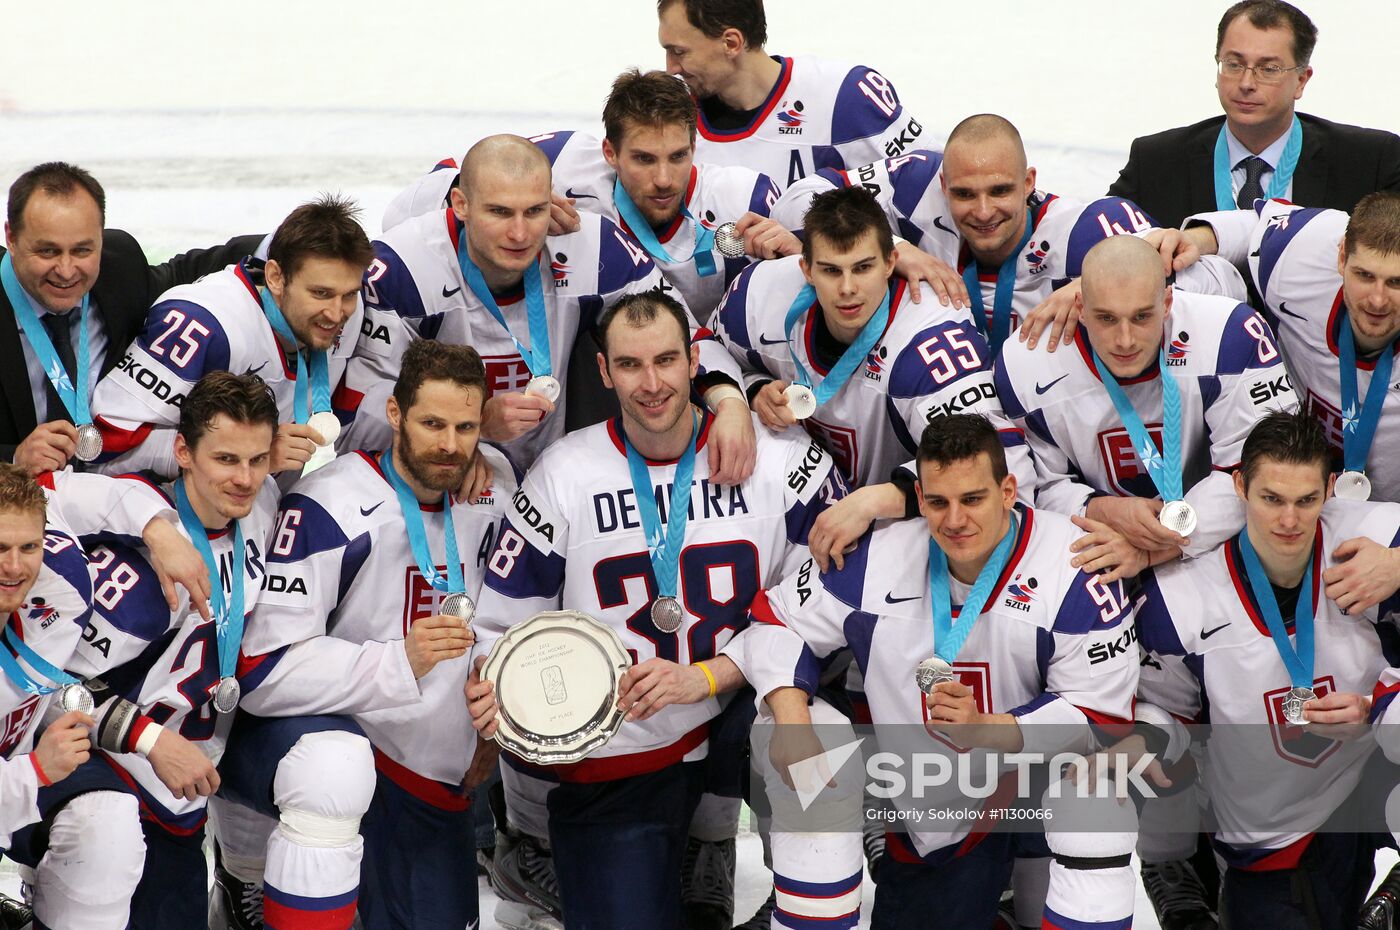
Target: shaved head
x=985 y=129
x=1120 y=260
x=513 y=157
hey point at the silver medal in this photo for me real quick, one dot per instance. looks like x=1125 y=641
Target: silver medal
x=1353 y=486
x=226 y=695
x=89 y=442
x=545 y=386
x=327 y=424
x=1179 y=517
x=801 y=401
x=728 y=241
x=75 y=697
x=459 y=605
x=666 y=614
x=931 y=672
x=1293 y=705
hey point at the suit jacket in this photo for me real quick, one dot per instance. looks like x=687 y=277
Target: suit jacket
x=1171 y=174
x=125 y=289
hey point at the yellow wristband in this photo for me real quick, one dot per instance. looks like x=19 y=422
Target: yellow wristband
x=710 y=677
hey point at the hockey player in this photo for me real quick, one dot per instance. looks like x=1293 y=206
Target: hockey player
x=296 y=321
x=171 y=675
x=1026 y=658
x=833 y=341
x=1332 y=287
x=1142 y=417
x=1248 y=630
x=354 y=669
x=84 y=843
x=593 y=527
x=484 y=273
x=975 y=206
x=785 y=117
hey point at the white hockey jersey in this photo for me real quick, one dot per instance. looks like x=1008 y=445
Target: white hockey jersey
x=1207 y=655
x=574 y=540
x=1292 y=257
x=1050 y=647
x=1229 y=373
x=714 y=195
x=167 y=663
x=820 y=114
x=929 y=362
x=343 y=589
x=217 y=323
x=1063 y=230
x=416 y=274
x=51 y=621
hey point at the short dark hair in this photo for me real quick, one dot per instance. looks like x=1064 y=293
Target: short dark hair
x=1287 y=438
x=56 y=178
x=1375 y=223
x=638 y=310
x=712 y=17
x=1271 y=14
x=19 y=491
x=652 y=100
x=242 y=398
x=958 y=437
x=429 y=360
x=327 y=227
x=842 y=217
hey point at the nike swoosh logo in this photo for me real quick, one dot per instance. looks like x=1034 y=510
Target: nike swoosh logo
x=764 y=340
x=447 y=293
x=891 y=599
x=366 y=511
x=577 y=196
x=253 y=371
x=1283 y=308
x=1042 y=388
x=1209 y=633
x=938 y=223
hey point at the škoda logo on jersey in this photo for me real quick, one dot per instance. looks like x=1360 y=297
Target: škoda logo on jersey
x=791 y=118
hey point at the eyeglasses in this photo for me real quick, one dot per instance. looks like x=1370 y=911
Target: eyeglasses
x=1264 y=74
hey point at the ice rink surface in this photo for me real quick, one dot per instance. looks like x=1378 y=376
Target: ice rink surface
x=205 y=121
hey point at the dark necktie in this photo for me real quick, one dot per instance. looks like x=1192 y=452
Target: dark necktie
x=59 y=326
x=1251 y=190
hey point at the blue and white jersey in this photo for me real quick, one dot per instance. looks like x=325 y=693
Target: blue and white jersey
x=1229 y=373
x=1292 y=257
x=165 y=662
x=573 y=540
x=1207 y=656
x=714 y=195
x=51 y=621
x=930 y=361
x=218 y=324
x=343 y=589
x=416 y=274
x=820 y=114
x=1051 y=646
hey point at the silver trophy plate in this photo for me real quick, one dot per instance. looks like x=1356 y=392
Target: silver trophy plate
x=932 y=671
x=728 y=240
x=75 y=697
x=1179 y=517
x=801 y=401
x=545 y=386
x=556 y=677
x=89 y=443
x=226 y=695
x=327 y=424
x=1293 y=705
x=459 y=605
x=1352 y=486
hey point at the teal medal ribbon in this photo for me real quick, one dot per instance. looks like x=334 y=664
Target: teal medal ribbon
x=948 y=638
x=536 y=357
x=452 y=582
x=1163 y=468
x=313 y=375
x=1359 y=422
x=1004 y=296
x=1298 y=661
x=703 y=254
x=75 y=399
x=228 y=613
x=664 y=545
x=850 y=359
x=1278 y=183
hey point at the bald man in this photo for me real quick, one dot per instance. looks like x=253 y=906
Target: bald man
x=484 y=272
x=1143 y=347
x=975 y=206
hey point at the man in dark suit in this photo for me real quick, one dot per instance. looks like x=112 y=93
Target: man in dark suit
x=60 y=253
x=1262 y=52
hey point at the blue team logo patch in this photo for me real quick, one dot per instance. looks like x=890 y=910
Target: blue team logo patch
x=875 y=363
x=791 y=118
x=1039 y=251
x=1178 y=349
x=1020 y=594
